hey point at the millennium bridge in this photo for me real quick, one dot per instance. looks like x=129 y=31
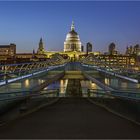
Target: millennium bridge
x=59 y=99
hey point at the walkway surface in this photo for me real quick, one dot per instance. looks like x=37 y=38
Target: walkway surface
x=71 y=118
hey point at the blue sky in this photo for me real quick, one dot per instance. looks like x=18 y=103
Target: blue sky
x=98 y=22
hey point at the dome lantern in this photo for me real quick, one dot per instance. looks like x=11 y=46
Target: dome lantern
x=72 y=26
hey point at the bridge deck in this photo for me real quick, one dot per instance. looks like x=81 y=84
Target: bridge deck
x=71 y=118
x=73 y=75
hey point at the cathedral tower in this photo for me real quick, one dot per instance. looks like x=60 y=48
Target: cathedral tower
x=41 y=49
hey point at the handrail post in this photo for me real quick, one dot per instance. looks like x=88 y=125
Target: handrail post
x=88 y=91
x=57 y=92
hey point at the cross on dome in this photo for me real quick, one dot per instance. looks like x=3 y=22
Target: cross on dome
x=72 y=26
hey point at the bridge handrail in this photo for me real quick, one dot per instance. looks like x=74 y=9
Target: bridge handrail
x=120 y=91
x=113 y=73
x=123 y=94
x=25 y=94
x=23 y=91
x=8 y=80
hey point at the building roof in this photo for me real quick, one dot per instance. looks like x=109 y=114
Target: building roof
x=72 y=36
x=5 y=46
x=73 y=32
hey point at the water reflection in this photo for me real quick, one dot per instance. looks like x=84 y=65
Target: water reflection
x=121 y=84
x=60 y=85
x=27 y=83
x=93 y=85
x=21 y=85
x=107 y=81
x=63 y=86
x=40 y=81
x=86 y=84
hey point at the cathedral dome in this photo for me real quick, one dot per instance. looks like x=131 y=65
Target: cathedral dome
x=72 y=35
x=72 y=42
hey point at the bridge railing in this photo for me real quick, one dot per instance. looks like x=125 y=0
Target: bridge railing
x=116 y=70
x=109 y=72
x=115 y=93
x=17 y=75
x=124 y=104
x=23 y=70
x=24 y=94
x=8 y=100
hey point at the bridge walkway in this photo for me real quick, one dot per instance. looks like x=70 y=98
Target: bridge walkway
x=73 y=118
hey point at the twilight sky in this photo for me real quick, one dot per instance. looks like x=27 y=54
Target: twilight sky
x=98 y=22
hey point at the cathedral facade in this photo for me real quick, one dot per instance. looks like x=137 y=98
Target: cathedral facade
x=72 y=42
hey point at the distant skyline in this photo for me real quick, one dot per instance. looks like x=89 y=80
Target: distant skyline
x=98 y=22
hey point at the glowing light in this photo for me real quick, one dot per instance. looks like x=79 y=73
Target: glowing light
x=27 y=83
x=106 y=81
x=124 y=85
x=2 y=83
x=40 y=81
x=63 y=85
x=61 y=82
x=93 y=86
x=45 y=88
x=138 y=85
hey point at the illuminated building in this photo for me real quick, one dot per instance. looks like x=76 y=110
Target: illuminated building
x=27 y=57
x=118 y=61
x=7 y=53
x=72 y=42
x=72 y=47
x=82 y=48
x=133 y=50
x=8 y=49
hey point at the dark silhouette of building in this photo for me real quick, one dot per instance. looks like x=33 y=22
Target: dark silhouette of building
x=111 y=49
x=41 y=49
x=82 y=48
x=89 y=47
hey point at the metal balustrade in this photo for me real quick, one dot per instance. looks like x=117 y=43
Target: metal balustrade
x=24 y=94
x=124 y=104
x=109 y=71
x=13 y=72
x=7 y=100
x=127 y=94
